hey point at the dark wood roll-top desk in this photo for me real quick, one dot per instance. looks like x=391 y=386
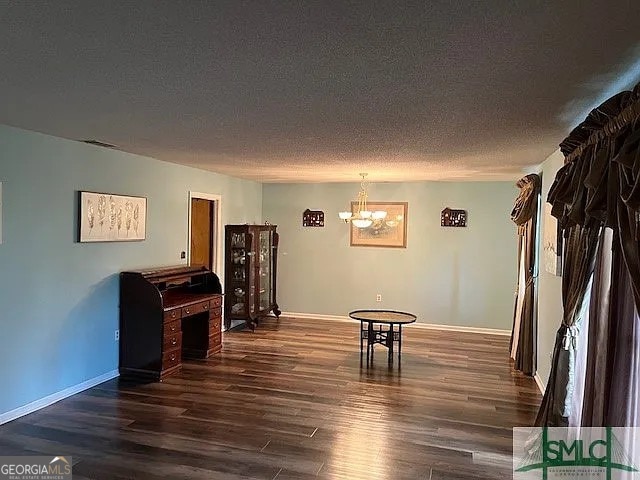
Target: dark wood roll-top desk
x=167 y=314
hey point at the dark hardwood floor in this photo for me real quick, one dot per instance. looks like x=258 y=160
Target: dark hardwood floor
x=292 y=401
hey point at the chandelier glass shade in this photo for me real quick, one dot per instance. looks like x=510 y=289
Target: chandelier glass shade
x=362 y=217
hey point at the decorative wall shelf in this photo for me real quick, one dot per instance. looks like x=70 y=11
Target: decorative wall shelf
x=313 y=218
x=450 y=217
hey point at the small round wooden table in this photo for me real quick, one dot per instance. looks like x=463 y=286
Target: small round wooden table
x=385 y=337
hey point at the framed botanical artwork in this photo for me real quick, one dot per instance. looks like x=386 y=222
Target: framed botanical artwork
x=390 y=231
x=106 y=217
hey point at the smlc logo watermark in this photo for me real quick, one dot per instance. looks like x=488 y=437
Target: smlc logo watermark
x=607 y=453
x=35 y=468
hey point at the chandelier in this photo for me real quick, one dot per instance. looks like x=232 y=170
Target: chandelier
x=363 y=218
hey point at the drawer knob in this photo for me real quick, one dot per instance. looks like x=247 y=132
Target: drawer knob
x=173 y=314
x=205 y=307
x=174 y=341
x=173 y=328
x=186 y=310
x=173 y=357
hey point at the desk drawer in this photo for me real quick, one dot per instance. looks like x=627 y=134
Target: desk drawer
x=171 y=315
x=172 y=328
x=215 y=341
x=214 y=326
x=172 y=341
x=216 y=302
x=195 y=308
x=215 y=313
x=171 y=359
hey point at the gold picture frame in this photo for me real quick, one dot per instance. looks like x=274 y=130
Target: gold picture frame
x=390 y=232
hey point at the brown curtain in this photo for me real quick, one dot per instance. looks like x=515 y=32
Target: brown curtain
x=598 y=188
x=613 y=337
x=612 y=396
x=579 y=257
x=524 y=333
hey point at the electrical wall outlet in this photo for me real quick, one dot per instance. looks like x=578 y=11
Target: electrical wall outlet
x=378 y=297
x=117 y=335
x=183 y=254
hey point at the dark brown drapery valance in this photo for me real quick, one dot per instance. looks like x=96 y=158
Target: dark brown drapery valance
x=602 y=166
x=598 y=186
x=600 y=181
x=526 y=204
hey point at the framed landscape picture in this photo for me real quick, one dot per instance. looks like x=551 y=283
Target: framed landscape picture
x=106 y=217
x=390 y=231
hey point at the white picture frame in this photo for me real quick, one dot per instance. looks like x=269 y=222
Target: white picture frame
x=107 y=217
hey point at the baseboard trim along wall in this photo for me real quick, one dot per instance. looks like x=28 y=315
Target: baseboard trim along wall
x=540 y=383
x=55 y=397
x=431 y=326
x=336 y=318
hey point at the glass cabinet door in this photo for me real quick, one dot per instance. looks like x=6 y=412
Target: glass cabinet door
x=239 y=273
x=264 y=269
x=274 y=254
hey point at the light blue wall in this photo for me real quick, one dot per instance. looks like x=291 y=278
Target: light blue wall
x=452 y=276
x=549 y=285
x=59 y=298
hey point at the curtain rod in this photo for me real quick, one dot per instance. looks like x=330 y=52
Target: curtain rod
x=624 y=118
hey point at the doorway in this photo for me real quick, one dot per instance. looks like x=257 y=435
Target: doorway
x=202 y=226
x=205 y=228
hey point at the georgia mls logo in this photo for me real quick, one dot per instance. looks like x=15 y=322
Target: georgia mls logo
x=59 y=465
x=576 y=453
x=35 y=468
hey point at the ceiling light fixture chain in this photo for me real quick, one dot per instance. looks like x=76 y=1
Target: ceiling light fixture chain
x=362 y=217
x=362 y=194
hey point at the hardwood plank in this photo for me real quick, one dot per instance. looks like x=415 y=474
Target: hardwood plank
x=292 y=400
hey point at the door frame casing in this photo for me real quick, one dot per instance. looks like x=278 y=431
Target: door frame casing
x=218 y=252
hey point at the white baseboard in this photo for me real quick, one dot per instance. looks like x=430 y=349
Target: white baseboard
x=540 y=383
x=55 y=397
x=318 y=316
x=431 y=326
x=462 y=328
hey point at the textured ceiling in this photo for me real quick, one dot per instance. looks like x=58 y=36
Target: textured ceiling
x=318 y=91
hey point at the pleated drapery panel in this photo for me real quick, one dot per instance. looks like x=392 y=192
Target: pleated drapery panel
x=611 y=374
x=579 y=258
x=598 y=187
x=524 y=332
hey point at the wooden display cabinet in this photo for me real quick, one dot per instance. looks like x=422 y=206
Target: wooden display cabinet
x=251 y=253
